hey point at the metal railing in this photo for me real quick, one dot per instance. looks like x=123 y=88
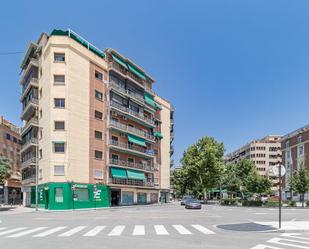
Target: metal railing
x=28 y=162
x=33 y=80
x=28 y=142
x=147 y=167
x=32 y=62
x=137 y=96
x=131 y=182
x=32 y=121
x=28 y=180
x=132 y=147
x=31 y=101
x=131 y=112
x=132 y=130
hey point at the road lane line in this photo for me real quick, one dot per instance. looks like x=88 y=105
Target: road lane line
x=138 y=230
x=202 y=229
x=281 y=241
x=265 y=247
x=160 y=230
x=181 y=229
x=72 y=231
x=117 y=231
x=49 y=232
x=26 y=232
x=294 y=235
x=94 y=231
x=13 y=230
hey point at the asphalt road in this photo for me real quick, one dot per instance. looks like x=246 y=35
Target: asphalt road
x=151 y=227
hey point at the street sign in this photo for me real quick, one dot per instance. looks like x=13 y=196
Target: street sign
x=276 y=170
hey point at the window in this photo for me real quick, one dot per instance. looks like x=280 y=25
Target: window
x=8 y=136
x=98 y=115
x=98 y=95
x=40 y=153
x=59 y=57
x=98 y=174
x=98 y=155
x=41 y=113
x=81 y=194
x=41 y=93
x=98 y=76
x=59 y=147
x=59 y=103
x=130 y=160
x=98 y=135
x=59 y=125
x=59 y=195
x=59 y=79
x=59 y=170
x=115 y=157
x=14 y=139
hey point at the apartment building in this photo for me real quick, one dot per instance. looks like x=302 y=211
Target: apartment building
x=265 y=153
x=295 y=151
x=101 y=135
x=10 y=189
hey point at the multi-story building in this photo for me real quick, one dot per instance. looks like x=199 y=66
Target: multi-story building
x=10 y=189
x=295 y=151
x=265 y=153
x=101 y=134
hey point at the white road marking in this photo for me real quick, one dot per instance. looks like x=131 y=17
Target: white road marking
x=49 y=232
x=72 y=231
x=181 y=229
x=160 y=230
x=281 y=241
x=266 y=247
x=202 y=229
x=94 y=231
x=26 y=232
x=117 y=231
x=138 y=230
x=287 y=225
x=260 y=213
x=13 y=230
x=293 y=235
x=2 y=228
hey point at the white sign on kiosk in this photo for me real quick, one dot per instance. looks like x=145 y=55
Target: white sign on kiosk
x=276 y=168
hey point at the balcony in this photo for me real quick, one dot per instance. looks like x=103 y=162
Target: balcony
x=172 y=150
x=136 y=116
x=32 y=63
x=33 y=82
x=132 y=130
x=127 y=93
x=29 y=143
x=131 y=182
x=30 y=162
x=29 y=109
x=32 y=122
x=133 y=149
x=139 y=166
x=28 y=181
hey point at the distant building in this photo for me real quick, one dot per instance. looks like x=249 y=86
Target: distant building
x=265 y=153
x=295 y=152
x=10 y=190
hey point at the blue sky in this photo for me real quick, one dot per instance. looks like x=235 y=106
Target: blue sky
x=235 y=70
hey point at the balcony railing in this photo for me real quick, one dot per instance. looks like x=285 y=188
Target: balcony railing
x=32 y=101
x=122 y=90
x=27 y=163
x=146 y=167
x=33 y=62
x=32 y=141
x=28 y=180
x=32 y=122
x=131 y=147
x=135 y=114
x=131 y=182
x=27 y=85
x=130 y=129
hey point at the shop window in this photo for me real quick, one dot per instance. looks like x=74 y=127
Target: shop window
x=81 y=194
x=59 y=195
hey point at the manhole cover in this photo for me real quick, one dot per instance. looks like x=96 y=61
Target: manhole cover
x=246 y=227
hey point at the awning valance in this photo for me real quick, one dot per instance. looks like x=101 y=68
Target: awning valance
x=149 y=100
x=137 y=72
x=158 y=134
x=120 y=61
x=135 y=175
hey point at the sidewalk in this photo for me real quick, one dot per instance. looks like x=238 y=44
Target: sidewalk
x=8 y=209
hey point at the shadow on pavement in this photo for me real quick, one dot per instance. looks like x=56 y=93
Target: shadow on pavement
x=246 y=227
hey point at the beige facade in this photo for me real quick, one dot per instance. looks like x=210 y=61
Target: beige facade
x=265 y=153
x=89 y=112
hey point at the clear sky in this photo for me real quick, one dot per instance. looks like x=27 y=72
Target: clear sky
x=235 y=70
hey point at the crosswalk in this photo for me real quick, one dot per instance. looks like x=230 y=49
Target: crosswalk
x=285 y=241
x=103 y=230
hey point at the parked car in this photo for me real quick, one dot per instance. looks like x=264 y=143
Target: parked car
x=193 y=204
x=184 y=199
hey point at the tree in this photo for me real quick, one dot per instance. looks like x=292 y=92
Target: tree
x=203 y=164
x=5 y=169
x=257 y=184
x=299 y=182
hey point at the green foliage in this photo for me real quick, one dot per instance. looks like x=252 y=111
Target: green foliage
x=5 y=169
x=257 y=184
x=229 y=201
x=251 y=203
x=299 y=182
x=272 y=203
x=202 y=167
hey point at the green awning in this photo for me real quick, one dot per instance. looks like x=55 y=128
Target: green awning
x=158 y=106
x=120 y=61
x=135 y=175
x=158 y=134
x=137 y=72
x=119 y=173
x=136 y=140
x=149 y=100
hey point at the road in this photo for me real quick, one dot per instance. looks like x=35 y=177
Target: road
x=152 y=227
